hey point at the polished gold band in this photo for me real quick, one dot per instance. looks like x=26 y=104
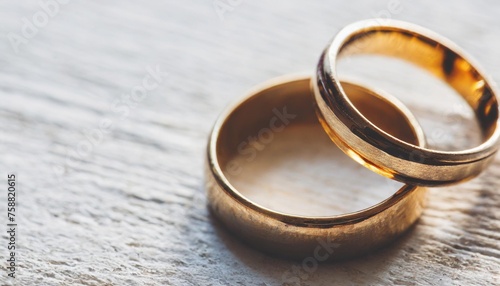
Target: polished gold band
x=323 y=238
x=382 y=152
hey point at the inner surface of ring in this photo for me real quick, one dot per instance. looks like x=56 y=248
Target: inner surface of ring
x=270 y=130
x=435 y=58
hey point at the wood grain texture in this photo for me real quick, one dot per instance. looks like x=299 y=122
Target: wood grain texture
x=132 y=210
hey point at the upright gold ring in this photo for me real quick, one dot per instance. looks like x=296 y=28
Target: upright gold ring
x=382 y=152
x=319 y=238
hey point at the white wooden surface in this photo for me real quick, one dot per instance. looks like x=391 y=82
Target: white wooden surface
x=132 y=211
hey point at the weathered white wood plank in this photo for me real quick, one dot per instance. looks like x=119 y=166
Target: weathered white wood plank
x=132 y=210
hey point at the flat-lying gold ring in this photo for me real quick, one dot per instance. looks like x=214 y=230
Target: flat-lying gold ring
x=386 y=154
x=352 y=234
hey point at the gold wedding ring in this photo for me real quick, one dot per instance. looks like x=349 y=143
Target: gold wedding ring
x=352 y=130
x=323 y=238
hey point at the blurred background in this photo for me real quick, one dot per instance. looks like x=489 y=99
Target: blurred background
x=107 y=107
